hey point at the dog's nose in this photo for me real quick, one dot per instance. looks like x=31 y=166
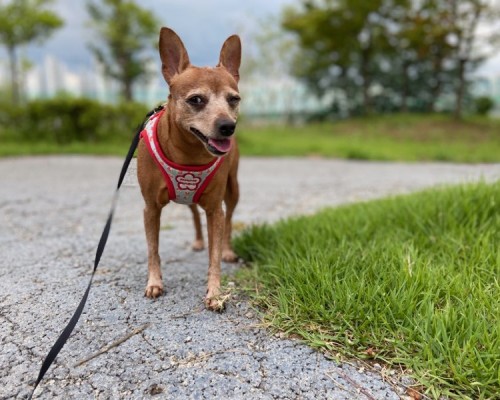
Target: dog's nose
x=225 y=127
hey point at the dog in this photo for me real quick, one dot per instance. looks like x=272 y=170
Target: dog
x=188 y=154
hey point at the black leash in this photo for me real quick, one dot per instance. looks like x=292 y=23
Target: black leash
x=58 y=345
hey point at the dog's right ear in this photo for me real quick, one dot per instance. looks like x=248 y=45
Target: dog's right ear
x=173 y=54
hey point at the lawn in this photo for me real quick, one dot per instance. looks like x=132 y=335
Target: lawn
x=410 y=281
x=21 y=148
x=397 y=137
x=401 y=137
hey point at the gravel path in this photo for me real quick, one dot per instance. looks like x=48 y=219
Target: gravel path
x=52 y=211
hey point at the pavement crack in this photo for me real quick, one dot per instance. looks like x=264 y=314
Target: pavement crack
x=116 y=343
x=159 y=352
x=358 y=388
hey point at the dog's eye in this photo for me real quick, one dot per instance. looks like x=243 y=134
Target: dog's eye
x=233 y=100
x=196 y=100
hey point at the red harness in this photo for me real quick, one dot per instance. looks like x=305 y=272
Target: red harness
x=185 y=183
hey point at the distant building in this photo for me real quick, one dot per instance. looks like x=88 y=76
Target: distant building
x=279 y=98
x=52 y=77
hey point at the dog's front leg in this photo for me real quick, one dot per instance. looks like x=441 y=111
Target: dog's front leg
x=215 y=225
x=152 y=215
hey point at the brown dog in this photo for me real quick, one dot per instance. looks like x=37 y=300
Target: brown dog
x=195 y=130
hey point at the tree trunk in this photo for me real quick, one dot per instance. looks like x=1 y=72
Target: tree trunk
x=366 y=81
x=124 y=75
x=14 y=75
x=435 y=89
x=459 y=96
x=465 y=45
x=405 y=87
x=127 y=91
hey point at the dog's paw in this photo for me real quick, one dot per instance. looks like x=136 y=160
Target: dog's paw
x=198 y=245
x=153 y=291
x=229 y=256
x=215 y=304
x=217 y=301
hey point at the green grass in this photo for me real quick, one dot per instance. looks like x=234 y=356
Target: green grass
x=409 y=281
x=20 y=148
x=398 y=137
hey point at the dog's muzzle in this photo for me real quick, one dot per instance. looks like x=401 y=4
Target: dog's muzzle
x=225 y=127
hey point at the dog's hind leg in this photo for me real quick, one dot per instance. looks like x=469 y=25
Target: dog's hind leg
x=152 y=215
x=198 y=243
x=230 y=199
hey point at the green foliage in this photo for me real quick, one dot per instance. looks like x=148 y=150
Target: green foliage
x=22 y=22
x=409 y=281
x=68 y=120
x=339 y=42
x=270 y=53
x=388 y=54
x=483 y=105
x=127 y=32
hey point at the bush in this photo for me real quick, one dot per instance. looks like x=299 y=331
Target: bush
x=483 y=105
x=65 y=120
x=11 y=118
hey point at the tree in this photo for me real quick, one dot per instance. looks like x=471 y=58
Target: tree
x=382 y=52
x=269 y=56
x=127 y=32
x=21 y=22
x=343 y=43
x=466 y=16
x=422 y=48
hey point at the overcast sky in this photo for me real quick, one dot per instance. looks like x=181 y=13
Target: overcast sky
x=202 y=24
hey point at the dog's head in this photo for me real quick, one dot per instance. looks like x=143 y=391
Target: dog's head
x=204 y=101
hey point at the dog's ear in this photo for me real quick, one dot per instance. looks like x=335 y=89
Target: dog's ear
x=173 y=54
x=230 y=56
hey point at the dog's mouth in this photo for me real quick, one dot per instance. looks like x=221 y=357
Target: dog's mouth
x=218 y=147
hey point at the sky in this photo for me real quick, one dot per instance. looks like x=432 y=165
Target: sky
x=203 y=26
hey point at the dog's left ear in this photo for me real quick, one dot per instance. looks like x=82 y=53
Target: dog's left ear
x=230 y=56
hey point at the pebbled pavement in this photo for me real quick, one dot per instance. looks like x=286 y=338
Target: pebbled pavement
x=52 y=211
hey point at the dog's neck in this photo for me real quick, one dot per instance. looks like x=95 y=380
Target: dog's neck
x=178 y=145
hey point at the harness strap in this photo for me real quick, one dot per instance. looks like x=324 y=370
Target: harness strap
x=185 y=183
x=63 y=337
